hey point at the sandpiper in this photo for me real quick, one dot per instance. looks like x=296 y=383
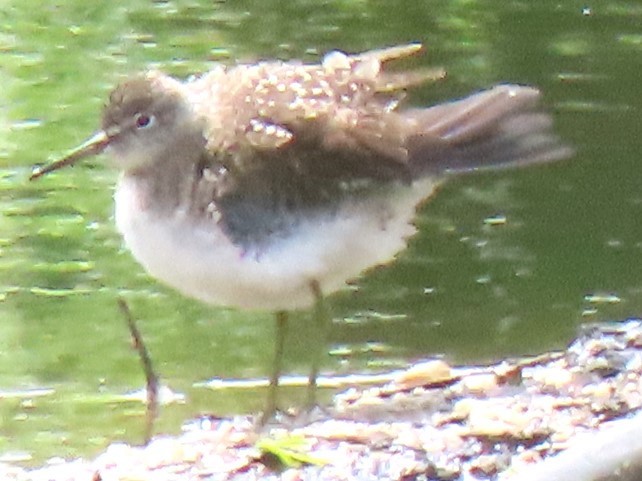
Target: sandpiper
x=269 y=185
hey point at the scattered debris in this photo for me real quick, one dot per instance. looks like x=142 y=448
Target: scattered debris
x=569 y=415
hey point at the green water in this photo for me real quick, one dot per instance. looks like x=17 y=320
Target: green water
x=464 y=289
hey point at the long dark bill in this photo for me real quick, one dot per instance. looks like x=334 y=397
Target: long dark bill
x=92 y=146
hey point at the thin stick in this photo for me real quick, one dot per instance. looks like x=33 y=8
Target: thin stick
x=150 y=376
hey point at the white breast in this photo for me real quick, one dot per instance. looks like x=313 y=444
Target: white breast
x=197 y=259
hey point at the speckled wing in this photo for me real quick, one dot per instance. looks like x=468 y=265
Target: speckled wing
x=336 y=119
x=286 y=141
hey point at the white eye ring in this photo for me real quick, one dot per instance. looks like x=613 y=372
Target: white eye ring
x=143 y=121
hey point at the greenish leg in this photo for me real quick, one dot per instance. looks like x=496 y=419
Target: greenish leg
x=322 y=320
x=281 y=318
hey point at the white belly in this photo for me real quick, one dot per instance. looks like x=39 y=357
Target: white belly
x=201 y=262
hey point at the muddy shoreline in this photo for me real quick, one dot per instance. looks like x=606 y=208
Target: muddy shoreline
x=571 y=414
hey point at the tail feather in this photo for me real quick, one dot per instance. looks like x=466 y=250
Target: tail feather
x=495 y=128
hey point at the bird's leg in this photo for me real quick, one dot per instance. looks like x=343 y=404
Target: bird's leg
x=322 y=320
x=150 y=375
x=281 y=318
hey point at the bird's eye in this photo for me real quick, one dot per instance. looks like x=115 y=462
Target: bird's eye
x=143 y=121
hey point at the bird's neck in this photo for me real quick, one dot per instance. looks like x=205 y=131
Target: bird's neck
x=167 y=184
